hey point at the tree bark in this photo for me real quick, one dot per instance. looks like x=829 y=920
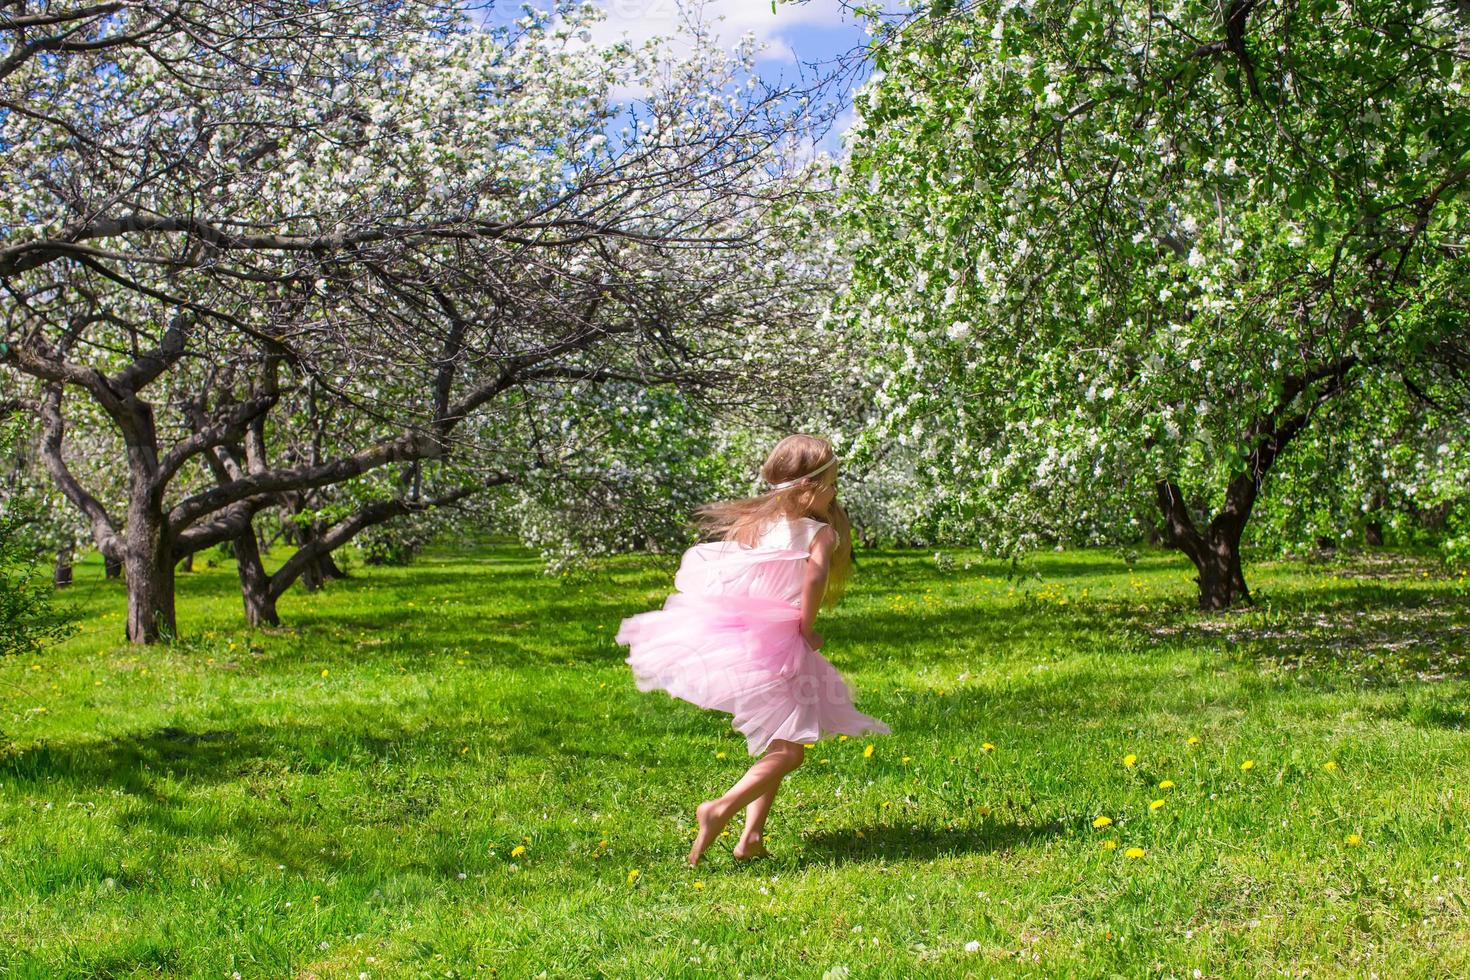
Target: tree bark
x=320 y=571
x=255 y=584
x=149 y=565
x=1215 y=553
x=330 y=570
x=112 y=567
x=1373 y=534
x=62 y=576
x=1221 y=579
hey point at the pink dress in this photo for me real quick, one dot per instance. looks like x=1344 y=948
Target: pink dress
x=729 y=639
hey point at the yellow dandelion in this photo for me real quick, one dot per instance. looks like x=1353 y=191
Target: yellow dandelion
x=518 y=850
x=985 y=811
x=602 y=843
x=825 y=762
x=1248 y=765
x=1329 y=766
x=1167 y=784
x=809 y=745
x=699 y=886
x=904 y=760
x=842 y=738
x=1352 y=840
x=1130 y=760
x=1101 y=822
x=719 y=755
x=325 y=672
x=1192 y=740
x=633 y=875
x=987 y=748
x=525 y=840
x=868 y=752
x=1156 y=805
x=1109 y=845
x=1133 y=853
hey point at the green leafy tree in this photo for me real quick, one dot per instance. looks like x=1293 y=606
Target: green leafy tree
x=1129 y=251
x=1381 y=466
x=28 y=617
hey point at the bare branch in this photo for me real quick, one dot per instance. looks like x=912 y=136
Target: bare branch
x=370 y=516
x=53 y=435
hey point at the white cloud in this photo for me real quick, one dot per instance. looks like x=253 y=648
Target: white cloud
x=729 y=20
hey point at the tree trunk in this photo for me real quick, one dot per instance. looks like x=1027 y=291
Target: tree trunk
x=329 y=567
x=255 y=584
x=1373 y=528
x=1221 y=580
x=187 y=565
x=324 y=569
x=149 y=565
x=1215 y=553
x=111 y=567
x=312 y=579
x=62 y=576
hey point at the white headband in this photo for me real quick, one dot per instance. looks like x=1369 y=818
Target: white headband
x=799 y=479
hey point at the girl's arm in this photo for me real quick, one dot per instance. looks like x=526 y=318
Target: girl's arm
x=815 y=585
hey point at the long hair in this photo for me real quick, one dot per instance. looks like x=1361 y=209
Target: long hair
x=744 y=521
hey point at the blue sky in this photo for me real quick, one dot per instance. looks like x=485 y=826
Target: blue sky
x=795 y=36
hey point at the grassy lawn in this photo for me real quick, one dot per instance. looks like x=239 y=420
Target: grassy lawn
x=351 y=794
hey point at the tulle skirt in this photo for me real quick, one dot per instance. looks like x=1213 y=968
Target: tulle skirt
x=744 y=656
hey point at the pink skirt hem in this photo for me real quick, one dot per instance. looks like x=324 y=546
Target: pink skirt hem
x=746 y=657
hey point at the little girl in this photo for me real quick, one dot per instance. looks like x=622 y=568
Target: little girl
x=736 y=636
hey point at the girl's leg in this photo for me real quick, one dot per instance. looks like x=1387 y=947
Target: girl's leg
x=760 y=779
x=752 y=838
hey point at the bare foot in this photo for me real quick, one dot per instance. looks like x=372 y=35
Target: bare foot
x=750 y=850
x=711 y=822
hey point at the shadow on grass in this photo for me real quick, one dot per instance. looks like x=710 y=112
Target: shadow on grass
x=132 y=762
x=888 y=842
x=245 y=785
x=1364 y=634
x=884 y=572
x=1370 y=632
x=1452 y=713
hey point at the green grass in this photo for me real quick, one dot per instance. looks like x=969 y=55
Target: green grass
x=343 y=795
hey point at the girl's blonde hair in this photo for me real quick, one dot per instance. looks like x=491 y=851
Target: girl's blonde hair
x=794 y=458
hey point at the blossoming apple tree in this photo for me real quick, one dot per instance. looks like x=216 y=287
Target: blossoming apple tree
x=349 y=260
x=1130 y=251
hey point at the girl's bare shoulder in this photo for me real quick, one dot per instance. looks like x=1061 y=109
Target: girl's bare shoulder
x=821 y=533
